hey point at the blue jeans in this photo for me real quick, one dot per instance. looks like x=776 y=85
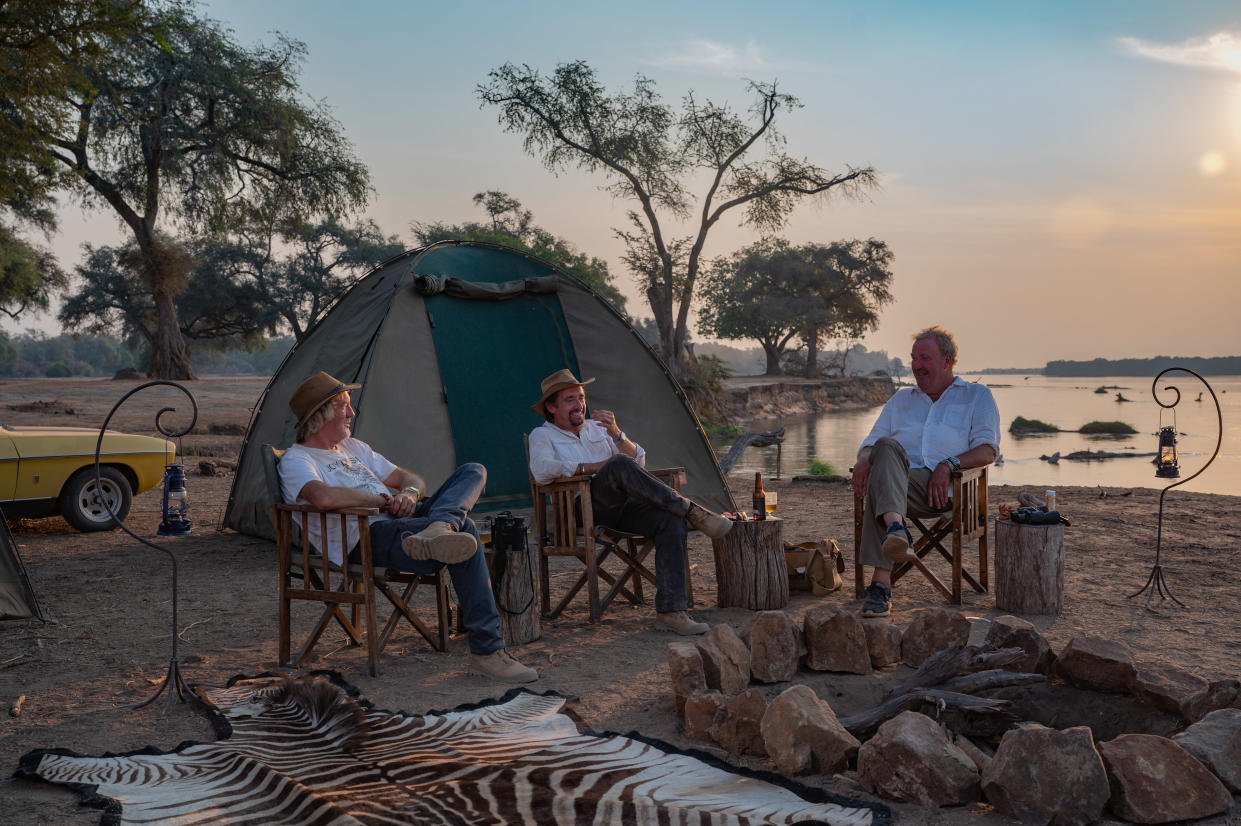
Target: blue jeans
x=470 y=579
x=624 y=496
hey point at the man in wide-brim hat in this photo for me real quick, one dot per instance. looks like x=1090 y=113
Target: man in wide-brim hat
x=623 y=495
x=329 y=469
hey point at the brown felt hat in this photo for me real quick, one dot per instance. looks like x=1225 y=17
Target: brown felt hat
x=553 y=384
x=315 y=392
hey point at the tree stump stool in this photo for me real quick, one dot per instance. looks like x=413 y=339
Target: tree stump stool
x=749 y=566
x=1029 y=567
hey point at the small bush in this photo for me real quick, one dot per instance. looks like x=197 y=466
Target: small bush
x=58 y=370
x=721 y=431
x=1022 y=426
x=1113 y=428
x=821 y=468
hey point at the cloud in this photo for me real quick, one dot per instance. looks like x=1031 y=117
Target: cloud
x=711 y=57
x=1220 y=51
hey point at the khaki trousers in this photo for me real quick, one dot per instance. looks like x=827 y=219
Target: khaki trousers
x=893 y=486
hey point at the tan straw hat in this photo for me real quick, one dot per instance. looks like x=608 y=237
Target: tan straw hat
x=315 y=392
x=553 y=384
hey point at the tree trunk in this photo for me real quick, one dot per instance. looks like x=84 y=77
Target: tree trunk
x=812 y=352
x=169 y=359
x=773 y=358
x=749 y=566
x=1029 y=567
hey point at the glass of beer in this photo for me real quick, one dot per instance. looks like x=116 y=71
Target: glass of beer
x=772 y=499
x=484 y=530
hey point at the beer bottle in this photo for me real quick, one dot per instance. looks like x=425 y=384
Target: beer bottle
x=760 y=497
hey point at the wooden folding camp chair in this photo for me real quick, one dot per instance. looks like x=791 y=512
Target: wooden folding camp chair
x=562 y=529
x=966 y=522
x=352 y=585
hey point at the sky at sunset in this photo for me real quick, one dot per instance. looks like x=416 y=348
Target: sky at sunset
x=1060 y=180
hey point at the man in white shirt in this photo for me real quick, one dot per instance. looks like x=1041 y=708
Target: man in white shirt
x=623 y=495
x=906 y=463
x=328 y=469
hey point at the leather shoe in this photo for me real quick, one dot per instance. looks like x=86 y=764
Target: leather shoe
x=440 y=542
x=680 y=622
x=712 y=524
x=500 y=665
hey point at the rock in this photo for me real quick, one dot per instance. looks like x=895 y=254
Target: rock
x=981 y=759
x=1156 y=781
x=704 y=710
x=910 y=760
x=933 y=629
x=741 y=730
x=801 y=734
x=835 y=641
x=1170 y=688
x=1013 y=632
x=216 y=467
x=1041 y=775
x=1099 y=664
x=725 y=659
x=685 y=669
x=774 y=649
x=1215 y=742
x=127 y=374
x=1221 y=694
x=883 y=642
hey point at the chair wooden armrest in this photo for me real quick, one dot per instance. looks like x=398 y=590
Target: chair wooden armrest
x=334 y=511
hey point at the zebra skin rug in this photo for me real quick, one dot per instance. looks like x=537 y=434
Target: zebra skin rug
x=303 y=751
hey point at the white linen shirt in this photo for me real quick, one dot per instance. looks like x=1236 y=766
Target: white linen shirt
x=964 y=417
x=351 y=464
x=555 y=452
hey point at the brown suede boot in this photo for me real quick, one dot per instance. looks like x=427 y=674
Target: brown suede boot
x=440 y=542
x=712 y=524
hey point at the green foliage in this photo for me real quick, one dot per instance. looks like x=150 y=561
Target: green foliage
x=649 y=153
x=704 y=385
x=59 y=370
x=821 y=468
x=774 y=292
x=721 y=431
x=1111 y=428
x=32 y=355
x=1215 y=366
x=511 y=225
x=1022 y=426
x=28 y=274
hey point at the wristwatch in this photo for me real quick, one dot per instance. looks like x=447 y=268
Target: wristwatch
x=952 y=462
x=620 y=437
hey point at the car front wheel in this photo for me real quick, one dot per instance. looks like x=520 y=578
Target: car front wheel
x=88 y=506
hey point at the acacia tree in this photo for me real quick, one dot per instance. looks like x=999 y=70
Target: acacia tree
x=774 y=292
x=178 y=124
x=650 y=153
x=512 y=225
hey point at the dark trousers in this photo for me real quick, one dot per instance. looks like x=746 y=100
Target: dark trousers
x=470 y=579
x=627 y=498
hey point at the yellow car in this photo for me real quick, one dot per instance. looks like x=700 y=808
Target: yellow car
x=50 y=470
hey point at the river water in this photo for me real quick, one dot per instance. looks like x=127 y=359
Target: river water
x=1068 y=403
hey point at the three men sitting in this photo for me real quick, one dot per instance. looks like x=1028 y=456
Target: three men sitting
x=329 y=469
x=623 y=495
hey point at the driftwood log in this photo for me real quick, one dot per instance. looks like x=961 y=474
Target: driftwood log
x=944 y=665
x=1029 y=567
x=750 y=437
x=962 y=713
x=749 y=566
x=995 y=678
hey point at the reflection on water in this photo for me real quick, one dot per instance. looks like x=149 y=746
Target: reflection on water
x=1068 y=403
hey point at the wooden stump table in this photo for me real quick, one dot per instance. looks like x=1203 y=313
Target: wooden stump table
x=749 y=566
x=1029 y=567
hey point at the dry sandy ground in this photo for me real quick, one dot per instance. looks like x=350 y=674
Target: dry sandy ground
x=109 y=642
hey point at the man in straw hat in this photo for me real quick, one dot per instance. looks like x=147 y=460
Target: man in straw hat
x=623 y=495
x=329 y=469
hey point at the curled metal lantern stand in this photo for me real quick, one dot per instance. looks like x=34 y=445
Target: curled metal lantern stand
x=176 y=502
x=1168 y=467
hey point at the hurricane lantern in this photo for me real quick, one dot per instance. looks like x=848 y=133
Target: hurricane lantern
x=176 y=521
x=1167 y=465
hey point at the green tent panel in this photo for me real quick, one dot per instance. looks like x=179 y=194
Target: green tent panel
x=450 y=343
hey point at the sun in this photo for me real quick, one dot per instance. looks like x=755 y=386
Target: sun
x=1211 y=164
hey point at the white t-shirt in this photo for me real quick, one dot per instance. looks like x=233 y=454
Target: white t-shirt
x=555 y=452
x=964 y=417
x=351 y=464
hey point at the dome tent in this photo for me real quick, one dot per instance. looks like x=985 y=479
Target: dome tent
x=450 y=343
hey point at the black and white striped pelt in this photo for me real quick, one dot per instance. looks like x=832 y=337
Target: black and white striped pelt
x=303 y=752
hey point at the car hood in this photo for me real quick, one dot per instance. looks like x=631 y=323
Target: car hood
x=48 y=441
